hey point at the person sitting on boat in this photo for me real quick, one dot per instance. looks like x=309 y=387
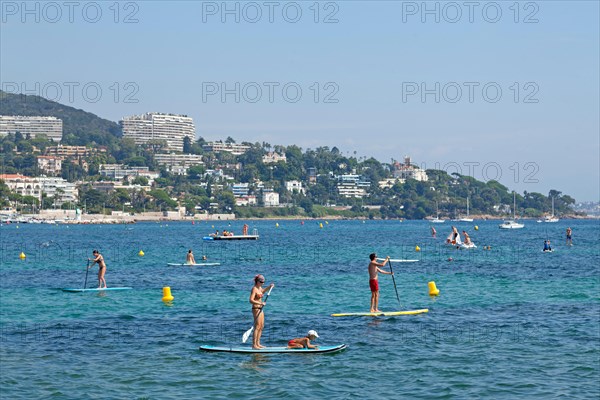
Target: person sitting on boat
x=454 y=234
x=301 y=343
x=467 y=238
x=547 y=246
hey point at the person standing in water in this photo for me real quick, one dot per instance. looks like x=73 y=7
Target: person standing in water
x=256 y=299
x=433 y=232
x=374 y=282
x=101 y=268
x=569 y=236
x=190 y=258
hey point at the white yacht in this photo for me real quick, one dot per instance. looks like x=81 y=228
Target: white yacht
x=512 y=224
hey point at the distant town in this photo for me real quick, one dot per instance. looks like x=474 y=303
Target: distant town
x=153 y=163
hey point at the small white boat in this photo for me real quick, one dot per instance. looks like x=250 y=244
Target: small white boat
x=551 y=218
x=467 y=218
x=512 y=224
x=437 y=219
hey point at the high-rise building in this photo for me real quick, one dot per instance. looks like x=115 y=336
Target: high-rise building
x=52 y=127
x=155 y=127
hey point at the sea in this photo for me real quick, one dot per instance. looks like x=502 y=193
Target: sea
x=510 y=321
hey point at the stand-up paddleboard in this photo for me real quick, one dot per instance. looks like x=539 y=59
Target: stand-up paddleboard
x=95 y=289
x=382 y=314
x=547 y=251
x=271 y=350
x=193 y=265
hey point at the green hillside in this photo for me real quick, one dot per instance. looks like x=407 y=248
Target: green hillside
x=79 y=127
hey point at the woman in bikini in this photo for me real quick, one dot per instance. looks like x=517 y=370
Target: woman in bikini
x=256 y=299
x=101 y=268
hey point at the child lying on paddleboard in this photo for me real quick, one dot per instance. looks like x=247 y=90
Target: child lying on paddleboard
x=300 y=343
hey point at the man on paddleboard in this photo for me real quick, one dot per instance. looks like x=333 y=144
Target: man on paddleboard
x=373 y=281
x=190 y=258
x=101 y=268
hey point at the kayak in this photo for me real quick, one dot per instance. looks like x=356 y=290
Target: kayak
x=193 y=265
x=273 y=350
x=95 y=289
x=382 y=314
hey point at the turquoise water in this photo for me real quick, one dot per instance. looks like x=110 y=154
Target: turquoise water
x=511 y=322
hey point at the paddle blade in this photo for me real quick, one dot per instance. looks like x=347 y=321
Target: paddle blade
x=247 y=334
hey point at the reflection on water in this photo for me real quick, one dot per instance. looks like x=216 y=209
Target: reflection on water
x=255 y=362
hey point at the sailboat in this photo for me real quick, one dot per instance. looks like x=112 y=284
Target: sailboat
x=512 y=224
x=551 y=218
x=467 y=218
x=437 y=219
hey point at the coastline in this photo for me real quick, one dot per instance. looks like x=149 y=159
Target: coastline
x=70 y=217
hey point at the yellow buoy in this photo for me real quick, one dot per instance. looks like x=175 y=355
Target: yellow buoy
x=417 y=248
x=433 y=290
x=320 y=225
x=22 y=256
x=141 y=253
x=167 y=294
x=476 y=228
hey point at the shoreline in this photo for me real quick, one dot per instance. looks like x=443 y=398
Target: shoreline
x=85 y=219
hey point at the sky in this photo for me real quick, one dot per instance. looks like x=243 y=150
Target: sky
x=494 y=90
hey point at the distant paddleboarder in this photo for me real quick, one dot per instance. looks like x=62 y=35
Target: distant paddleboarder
x=245 y=230
x=101 y=268
x=569 y=236
x=547 y=246
x=190 y=258
x=373 y=281
x=256 y=295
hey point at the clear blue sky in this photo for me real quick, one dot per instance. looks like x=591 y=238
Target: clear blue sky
x=375 y=57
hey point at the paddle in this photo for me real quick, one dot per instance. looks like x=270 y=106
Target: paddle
x=246 y=334
x=87 y=268
x=394 y=280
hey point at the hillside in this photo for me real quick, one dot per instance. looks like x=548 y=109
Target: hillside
x=79 y=127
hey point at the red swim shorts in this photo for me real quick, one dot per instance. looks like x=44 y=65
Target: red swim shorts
x=374 y=284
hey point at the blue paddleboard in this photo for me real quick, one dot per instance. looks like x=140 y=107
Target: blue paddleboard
x=95 y=289
x=271 y=350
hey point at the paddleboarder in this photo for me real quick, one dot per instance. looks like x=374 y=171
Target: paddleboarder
x=256 y=295
x=304 y=342
x=374 y=282
x=569 y=236
x=190 y=258
x=101 y=268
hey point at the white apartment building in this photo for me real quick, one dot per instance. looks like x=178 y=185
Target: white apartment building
x=50 y=164
x=271 y=199
x=58 y=188
x=153 y=126
x=178 y=163
x=233 y=148
x=119 y=171
x=407 y=171
x=272 y=158
x=292 y=186
x=23 y=185
x=240 y=189
x=52 y=127
x=352 y=185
